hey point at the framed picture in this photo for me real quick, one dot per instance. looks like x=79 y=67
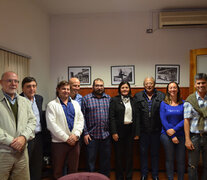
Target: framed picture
x=83 y=73
x=120 y=73
x=165 y=73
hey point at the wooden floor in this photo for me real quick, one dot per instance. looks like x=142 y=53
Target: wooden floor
x=136 y=176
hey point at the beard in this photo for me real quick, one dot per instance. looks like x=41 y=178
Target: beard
x=11 y=91
x=98 y=92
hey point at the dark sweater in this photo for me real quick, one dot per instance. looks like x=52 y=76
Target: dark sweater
x=14 y=108
x=147 y=124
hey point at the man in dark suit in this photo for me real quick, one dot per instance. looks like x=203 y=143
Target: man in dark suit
x=35 y=146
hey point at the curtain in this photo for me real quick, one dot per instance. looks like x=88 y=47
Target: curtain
x=13 y=62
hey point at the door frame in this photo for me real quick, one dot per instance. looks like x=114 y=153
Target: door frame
x=193 y=65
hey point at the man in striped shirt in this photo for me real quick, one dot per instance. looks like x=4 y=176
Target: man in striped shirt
x=95 y=107
x=195 y=126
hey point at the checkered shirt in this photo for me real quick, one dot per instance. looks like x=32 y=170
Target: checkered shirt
x=192 y=114
x=96 y=114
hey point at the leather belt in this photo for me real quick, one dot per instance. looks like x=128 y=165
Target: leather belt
x=200 y=134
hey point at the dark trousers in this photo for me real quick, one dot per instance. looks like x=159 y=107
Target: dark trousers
x=200 y=144
x=124 y=153
x=35 y=152
x=60 y=151
x=103 y=147
x=171 y=151
x=150 y=142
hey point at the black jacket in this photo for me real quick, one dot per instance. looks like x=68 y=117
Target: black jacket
x=116 y=116
x=39 y=101
x=149 y=124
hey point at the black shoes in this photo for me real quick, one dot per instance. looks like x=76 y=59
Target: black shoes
x=143 y=178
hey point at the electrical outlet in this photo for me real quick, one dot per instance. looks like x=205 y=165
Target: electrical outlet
x=149 y=30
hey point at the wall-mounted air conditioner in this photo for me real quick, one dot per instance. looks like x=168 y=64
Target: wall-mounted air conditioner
x=176 y=19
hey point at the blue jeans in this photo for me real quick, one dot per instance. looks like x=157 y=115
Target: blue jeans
x=200 y=144
x=103 y=146
x=171 y=151
x=152 y=142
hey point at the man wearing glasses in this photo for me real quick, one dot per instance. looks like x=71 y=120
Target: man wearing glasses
x=148 y=117
x=17 y=124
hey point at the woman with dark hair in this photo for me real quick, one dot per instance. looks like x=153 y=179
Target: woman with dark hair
x=172 y=135
x=122 y=129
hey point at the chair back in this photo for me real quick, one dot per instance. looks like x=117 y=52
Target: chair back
x=84 y=176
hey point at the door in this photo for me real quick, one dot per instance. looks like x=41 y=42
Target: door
x=198 y=64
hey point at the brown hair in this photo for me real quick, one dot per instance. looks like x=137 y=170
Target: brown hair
x=167 y=95
x=60 y=84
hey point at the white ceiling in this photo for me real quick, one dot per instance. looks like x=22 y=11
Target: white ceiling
x=107 y=6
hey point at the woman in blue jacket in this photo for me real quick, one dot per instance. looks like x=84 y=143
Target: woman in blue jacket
x=172 y=135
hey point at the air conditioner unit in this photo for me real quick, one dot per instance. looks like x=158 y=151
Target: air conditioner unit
x=176 y=19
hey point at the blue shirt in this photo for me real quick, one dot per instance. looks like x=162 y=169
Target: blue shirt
x=96 y=113
x=12 y=101
x=69 y=113
x=149 y=101
x=192 y=114
x=172 y=118
x=36 y=113
x=78 y=98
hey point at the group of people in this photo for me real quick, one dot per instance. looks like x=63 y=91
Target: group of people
x=97 y=120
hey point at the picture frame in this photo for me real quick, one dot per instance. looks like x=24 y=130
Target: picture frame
x=165 y=73
x=83 y=73
x=121 y=73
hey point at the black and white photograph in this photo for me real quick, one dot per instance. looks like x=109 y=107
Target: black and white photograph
x=83 y=73
x=122 y=73
x=167 y=73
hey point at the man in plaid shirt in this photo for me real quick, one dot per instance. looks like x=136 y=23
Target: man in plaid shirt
x=196 y=128
x=95 y=107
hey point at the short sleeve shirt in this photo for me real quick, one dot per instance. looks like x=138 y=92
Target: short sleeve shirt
x=192 y=114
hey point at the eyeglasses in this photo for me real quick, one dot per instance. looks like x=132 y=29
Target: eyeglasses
x=11 y=81
x=149 y=84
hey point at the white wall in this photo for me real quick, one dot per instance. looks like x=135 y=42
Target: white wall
x=96 y=40
x=25 y=28
x=103 y=40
